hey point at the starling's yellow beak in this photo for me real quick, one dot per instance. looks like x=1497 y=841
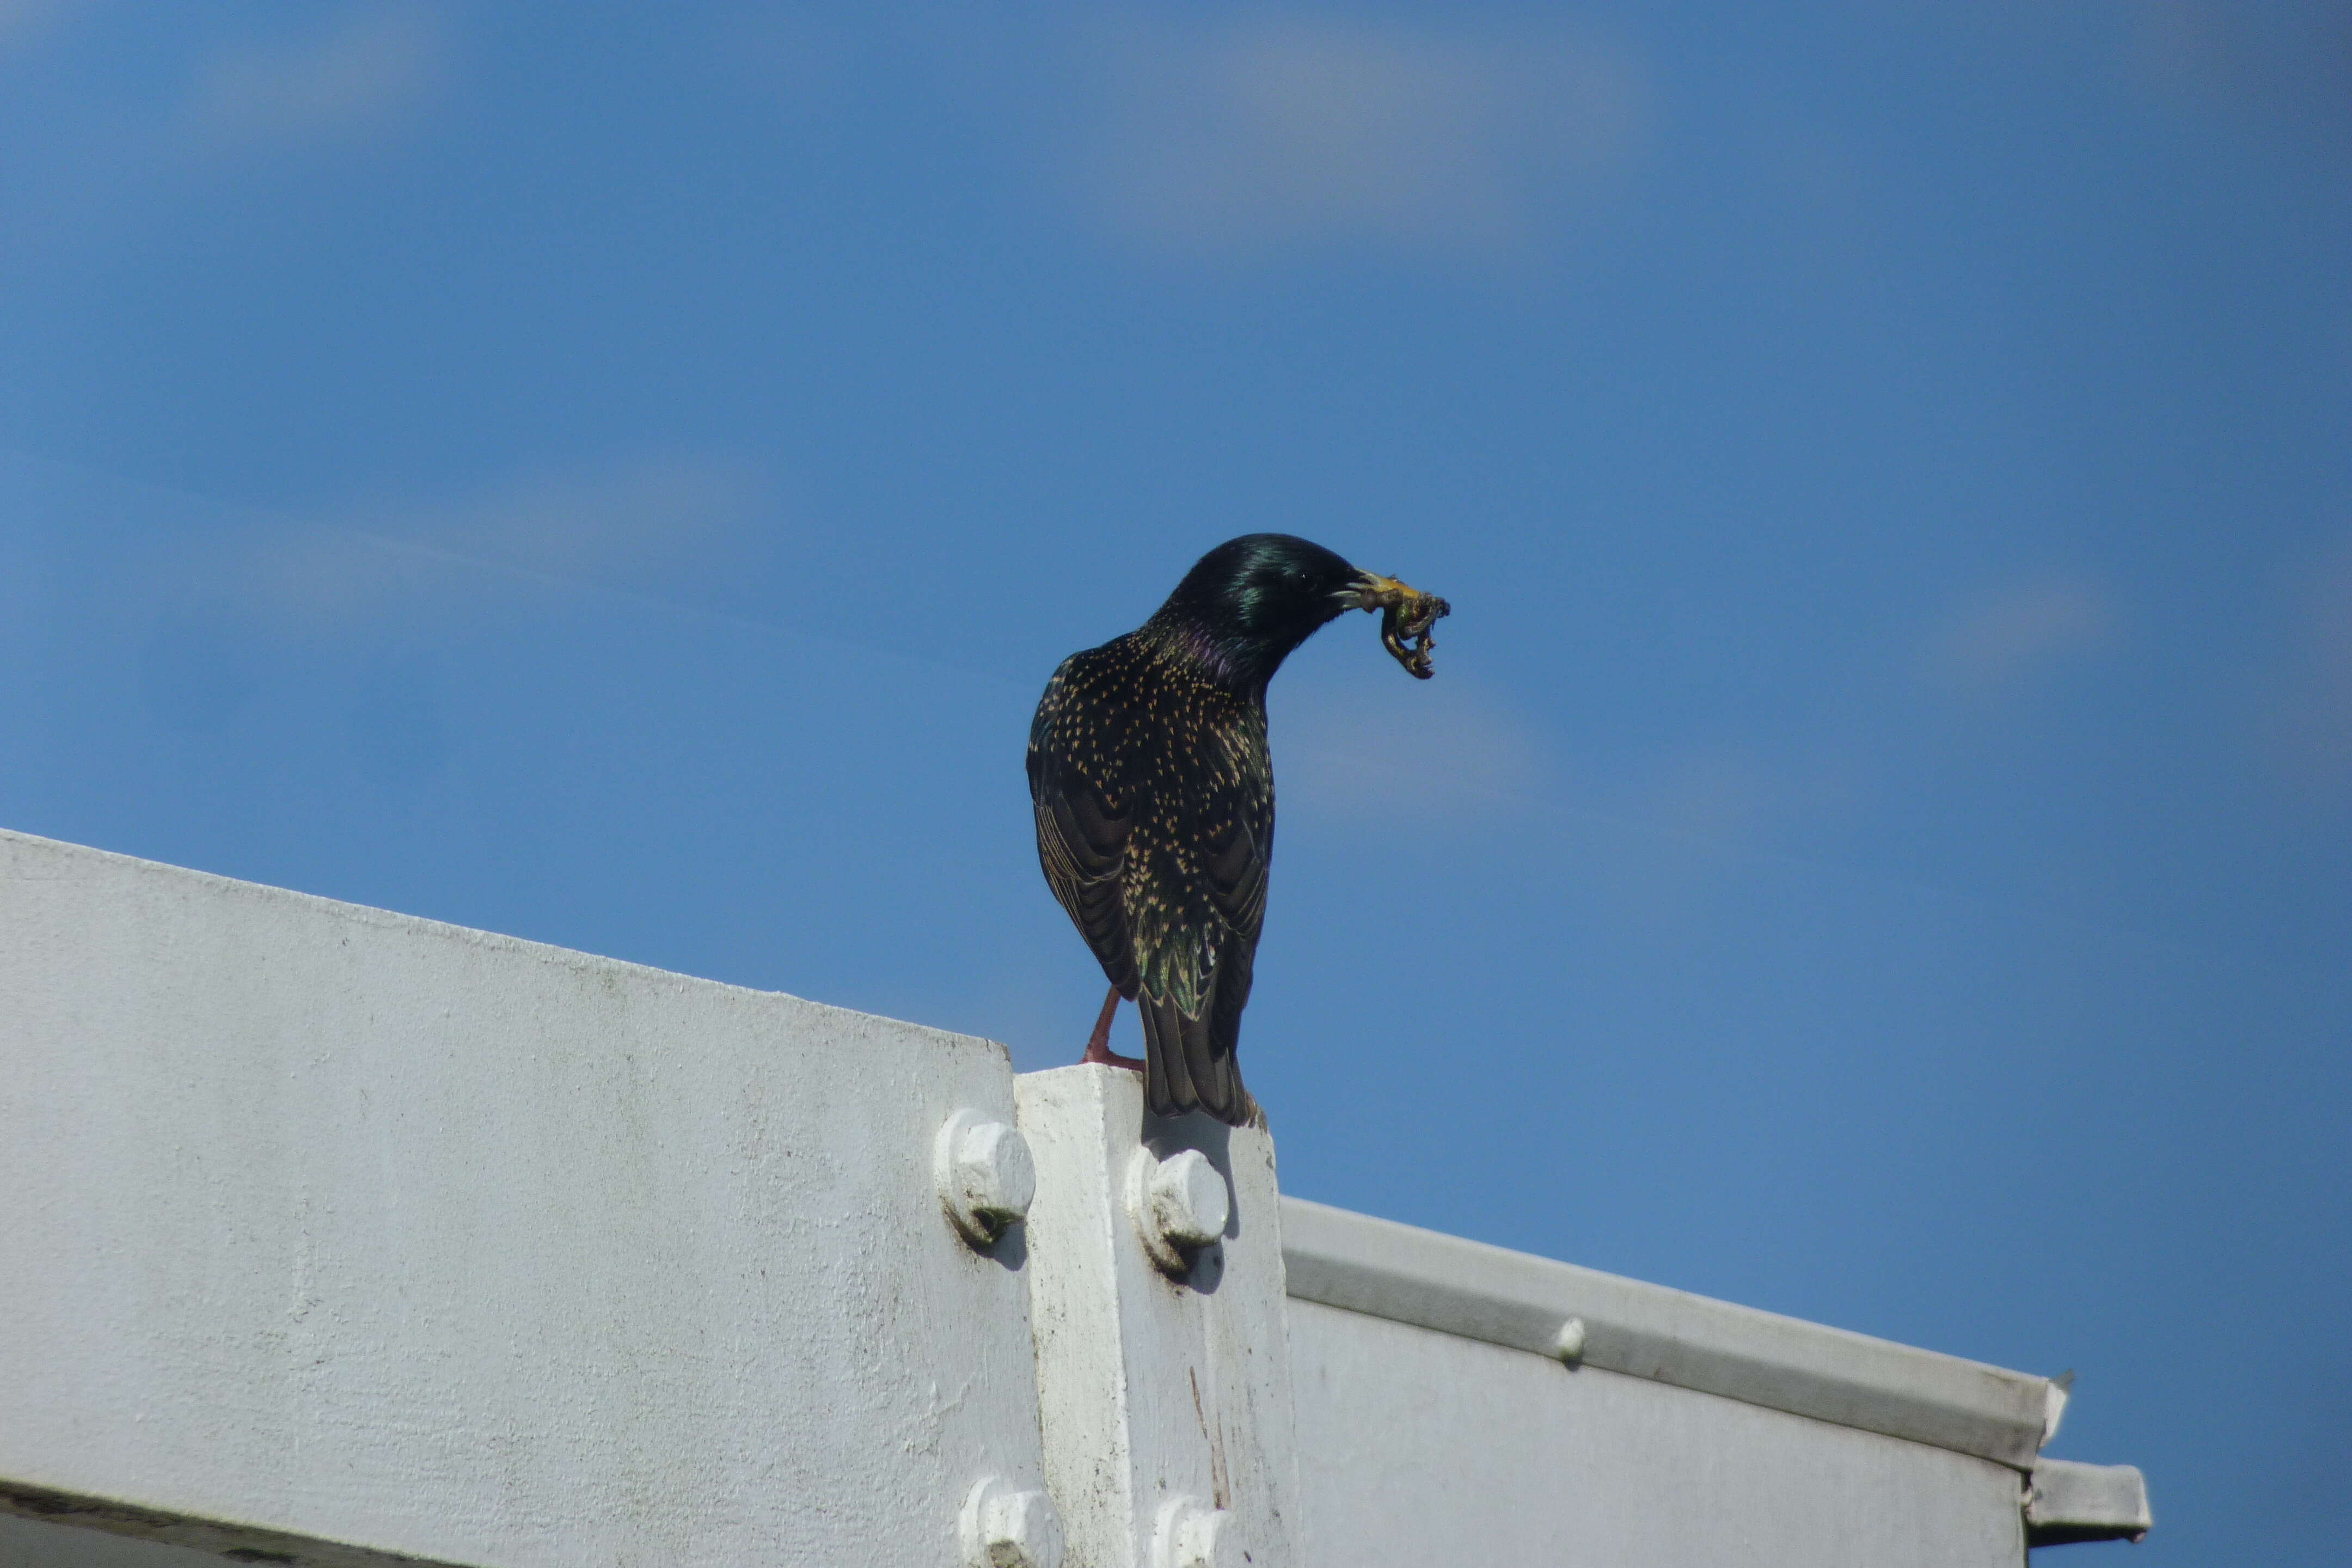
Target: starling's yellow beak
x=1407 y=615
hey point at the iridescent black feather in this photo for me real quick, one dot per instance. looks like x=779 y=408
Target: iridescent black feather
x=1154 y=795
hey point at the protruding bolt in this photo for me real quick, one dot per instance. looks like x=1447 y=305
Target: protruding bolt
x=985 y=1176
x=1003 y=1527
x=1188 y=1199
x=1568 y=1345
x=1178 y=1205
x=1191 y=1534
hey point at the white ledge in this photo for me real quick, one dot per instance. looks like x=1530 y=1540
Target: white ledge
x=2069 y=1501
x=229 y=1539
x=1480 y=1292
x=334 y=1237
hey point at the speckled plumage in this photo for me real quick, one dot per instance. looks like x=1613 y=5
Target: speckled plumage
x=1154 y=795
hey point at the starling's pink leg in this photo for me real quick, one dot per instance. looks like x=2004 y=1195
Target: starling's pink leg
x=1098 y=1043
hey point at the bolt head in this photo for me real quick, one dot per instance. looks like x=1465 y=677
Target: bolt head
x=1179 y=1206
x=999 y=1179
x=1188 y=1199
x=986 y=1177
x=1191 y=1534
x=1007 y=1527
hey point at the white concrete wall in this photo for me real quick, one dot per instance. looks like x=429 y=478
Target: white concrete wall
x=1418 y=1448
x=368 y=1230
x=1164 y=1384
x=336 y=1238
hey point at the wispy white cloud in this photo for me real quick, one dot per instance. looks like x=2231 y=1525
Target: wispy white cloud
x=368 y=70
x=628 y=527
x=1402 y=749
x=629 y=515
x=1712 y=796
x=106 y=155
x=1241 y=137
x=1680 y=826
x=1998 y=642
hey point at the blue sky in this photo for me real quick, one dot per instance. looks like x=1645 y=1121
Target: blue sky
x=1876 y=847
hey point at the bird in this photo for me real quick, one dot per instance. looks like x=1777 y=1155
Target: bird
x=1153 y=790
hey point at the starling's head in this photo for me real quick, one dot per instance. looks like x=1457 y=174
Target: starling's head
x=1247 y=604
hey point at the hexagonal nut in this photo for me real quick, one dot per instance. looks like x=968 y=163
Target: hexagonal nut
x=1191 y=1534
x=1003 y=1526
x=986 y=1178
x=1178 y=1205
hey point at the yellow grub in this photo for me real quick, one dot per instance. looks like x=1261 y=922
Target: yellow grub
x=1407 y=618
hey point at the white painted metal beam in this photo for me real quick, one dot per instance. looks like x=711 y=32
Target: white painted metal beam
x=1163 y=1348
x=1481 y=1292
x=331 y=1226
x=2069 y=1501
x=334 y=1238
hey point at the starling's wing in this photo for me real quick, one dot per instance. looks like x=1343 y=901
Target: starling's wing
x=1196 y=970
x=1082 y=829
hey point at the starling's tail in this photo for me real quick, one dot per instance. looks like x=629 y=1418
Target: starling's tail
x=1187 y=1067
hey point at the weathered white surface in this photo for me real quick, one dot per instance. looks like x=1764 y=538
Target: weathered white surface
x=1433 y=1280
x=1418 y=1448
x=371 y=1230
x=62 y=1530
x=1155 y=1390
x=39 y=1543
x=2071 y=1501
x=328 y=1235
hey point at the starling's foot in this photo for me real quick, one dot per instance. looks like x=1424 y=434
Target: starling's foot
x=1098 y=1051
x=1103 y=1056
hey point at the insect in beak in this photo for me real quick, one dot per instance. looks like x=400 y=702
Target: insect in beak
x=1407 y=618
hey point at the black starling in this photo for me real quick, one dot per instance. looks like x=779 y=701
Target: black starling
x=1154 y=792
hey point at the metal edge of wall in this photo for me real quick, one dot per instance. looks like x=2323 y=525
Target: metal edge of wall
x=189 y=877
x=1433 y=1280
x=2069 y=1501
x=217 y=1537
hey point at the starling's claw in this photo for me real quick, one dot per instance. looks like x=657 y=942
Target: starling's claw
x=1098 y=1049
x=1407 y=618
